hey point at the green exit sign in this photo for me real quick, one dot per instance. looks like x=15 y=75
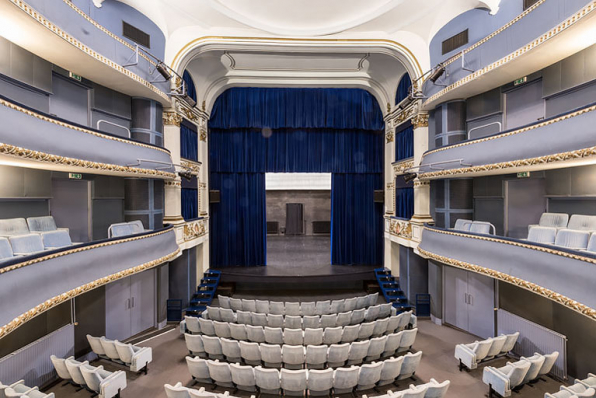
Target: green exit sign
x=521 y=80
x=74 y=76
x=75 y=176
x=523 y=174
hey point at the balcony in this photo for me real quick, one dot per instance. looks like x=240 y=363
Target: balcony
x=564 y=276
x=64 y=35
x=561 y=141
x=33 y=139
x=33 y=284
x=537 y=38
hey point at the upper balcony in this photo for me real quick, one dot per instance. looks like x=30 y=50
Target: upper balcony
x=33 y=284
x=561 y=141
x=64 y=35
x=33 y=139
x=543 y=34
x=562 y=275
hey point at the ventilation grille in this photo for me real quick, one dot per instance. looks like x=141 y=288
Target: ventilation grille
x=136 y=35
x=32 y=363
x=455 y=41
x=321 y=227
x=272 y=227
x=529 y=3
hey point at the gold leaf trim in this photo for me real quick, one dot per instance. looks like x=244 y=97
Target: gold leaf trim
x=401 y=166
x=54 y=301
x=556 y=297
x=23 y=153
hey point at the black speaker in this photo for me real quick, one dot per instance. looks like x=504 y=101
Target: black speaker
x=379 y=196
x=214 y=196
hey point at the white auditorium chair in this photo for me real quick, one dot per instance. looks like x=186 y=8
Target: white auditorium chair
x=227 y=315
x=271 y=355
x=293 y=322
x=572 y=239
x=176 y=391
x=496 y=347
x=109 y=346
x=313 y=336
x=119 y=230
x=536 y=362
x=276 y=308
x=255 y=333
x=319 y=382
x=268 y=381
x=359 y=315
x=414 y=392
x=380 y=327
x=292 y=308
x=212 y=346
x=244 y=317
x=549 y=362
x=105 y=384
x=206 y=327
x=23 y=245
x=345 y=380
x=214 y=313
x=332 y=335
x=194 y=344
x=293 y=336
x=361 y=302
x=337 y=306
x=552 y=220
x=544 y=235
x=504 y=379
x=136 y=358
x=358 y=351
x=365 y=331
x=293 y=382
x=322 y=307
x=393 y=323
x=592 y=244
x=293 y=356
x=436 y=389
x=192 y=324
x=376 y=348
x=369 y=376
x=385 y=310
x=579 y=390
x=471 y=354
x=19 y=389
x=243 y=377
x=275 y=321
x=96 y=347
x=569 y=393
x=404 y=319
x=372 y=299
x=224 y=301
x=408 y=338
x=343 y=318
x=42 y=224
x=251 y=354
x=6 y=252
x=61 y=369
x=410 y=365
x=579 y=222
x=274 y=335
x=390 y=371
x=351 y=333
x=258 y=319
x=262 y=306
x=199 y=370
x=329 y=320
x=249 y=305
x=238 y=331
x=392 y=344
x=337 y=355
x=220 y=373
x=308 y=308
x=316 y=356
x=222 y=329
x=509 y=343
x=201 y=393
x=137 y=227
x=236 y=304
x=74 y=369
x=350 y=304
x=462 y=225
x=231 y=350
x=311 y=322
x=13 y=227
x=482 y=227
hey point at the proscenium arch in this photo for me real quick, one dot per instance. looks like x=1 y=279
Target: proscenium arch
x=207 y=44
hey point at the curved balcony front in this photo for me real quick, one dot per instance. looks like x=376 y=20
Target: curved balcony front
x=33 y=139
x=565 y=276
x=33 y=284
x=561 y=141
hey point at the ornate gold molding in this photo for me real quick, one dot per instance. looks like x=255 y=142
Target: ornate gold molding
x=540 y=160
x=389 y=136
x=173 y=183
x=556 y=297
x=54 y=301
x=419 y=183
x=401 y=166
x=406 y=114
x=194 y=167
x=172 y=119
x=517 y=53
x=400 y=228
x=29 y=154
x=420 y=120
x=194 y=230
x=203 y=134
x=39 y=116
x=76 y=43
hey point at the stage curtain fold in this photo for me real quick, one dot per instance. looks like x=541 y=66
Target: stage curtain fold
x=403 y=88
x=190 y=85
x=404 y=143
x=356 y=220
x=404 y=202
x=239 y=235
x=190 y=203
x=189 y=143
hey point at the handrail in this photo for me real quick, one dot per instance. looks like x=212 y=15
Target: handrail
x=486 y=125
x=113 y=124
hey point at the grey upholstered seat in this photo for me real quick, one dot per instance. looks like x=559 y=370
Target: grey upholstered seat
x=337 y=306
x=258 y=319
x=592 y=244
x=436 y=389
x=329 y=320
x=268 y=380
x=332 y=335
x=316 y=356
x=249 y=305
x=119 y=230
x=546 y=235
x=554 y=220
x=293 y=382
x=462 y=225
x=271 y=355
x=220 y=373
x=392 y=344
x=236 y=304
x=135 y=357
x=274 y=335
x=482 y=227
x=275 y=321
x=536 y=362
x=207 y=327
x=238 y=331
x=13 y=226
x=345 y=380
x=74 y=369
x=262 y=306
x=323 y=307
x=308 y=309
x=393 y=323
x=192 y=324
x=5 y=250
x=23 y=245
x=212 y=347
x=109 y=347
x=350 y=304
x=572 y=239
x=293 y=356
x=293 y=336
x=549 y=362
x=337 y=355
x=243 y=377
x=198 y=369
x=250 y=352
x=390 y=371
x=292 y=308
x=380 y=327
x=313 y=336
x=60 y=367
x=366 y=330
x=358 y=351
x=359 y=315
x=227 y=315
x=496 y=347
x=214 y=313
x=231 y=350
x=581 y=222
x=224 y=301
x=319 y=382
x=293 y=322
x=105 y=384
x=343 y=318
x=244 y=317
x=255 y=333
x=376 y=348
x=311 y=322
x=41 y=224
x=369 y=376
x=384 y=310
x=409 y=365
x=137 y=226
x=407 y=339
x=362 y=302
x=351 y=333
x=276 y=308
x=222 y=329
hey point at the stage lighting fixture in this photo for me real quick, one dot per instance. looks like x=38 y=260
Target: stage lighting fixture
x=189 y=100
x=410 y=176
x=163 y=70
x=438 y=72
x=406 y=102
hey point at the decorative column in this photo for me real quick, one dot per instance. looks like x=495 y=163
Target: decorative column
x=389 y=175
x=173 y=188
x=204 y=174
x=421 y=188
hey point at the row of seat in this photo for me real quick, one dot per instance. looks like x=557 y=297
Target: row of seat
x=568 y=238
x=299 y=322
x=20 y=226
x=136 y=358
x=126 y=228
x=24 y=245
x=296 y=382
x=577 y=222
x=478 y=227
x=19 y=389
x=179 y=391
x=96 y=380
x=298 y=308
x=470 y=355
x=277 y=335
x=581 y=388
x=514 y=375
x=297 y=356
x=432 y=389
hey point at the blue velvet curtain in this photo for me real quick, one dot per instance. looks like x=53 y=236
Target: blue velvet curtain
x=190 y=85
x=404 y=202
x=357 y=219
x=254 y=131
x=404 y=143
x=238 y=232
x=403 y=88
x=189 y=143
x=190 y=203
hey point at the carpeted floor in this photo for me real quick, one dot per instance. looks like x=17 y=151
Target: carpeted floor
x=436 y=342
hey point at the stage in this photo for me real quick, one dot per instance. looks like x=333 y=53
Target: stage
x=299 y=262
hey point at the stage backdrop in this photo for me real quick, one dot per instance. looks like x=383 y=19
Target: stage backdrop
x=253 y=131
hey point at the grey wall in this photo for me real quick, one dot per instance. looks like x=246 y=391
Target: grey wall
x=317 y=206
x=579 y=329
x=182 y=276
x=24 y=192
x=435 y=288
x=413 y=273
x=90 y=309
x=572 y=190
x=163 y=292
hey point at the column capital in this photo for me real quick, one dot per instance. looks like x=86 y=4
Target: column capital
x=420 y=120
x=172 y=118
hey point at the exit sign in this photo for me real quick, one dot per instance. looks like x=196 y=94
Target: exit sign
x=74 y=76
x=524 y=174
x=75 y=176
x=521 y=80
